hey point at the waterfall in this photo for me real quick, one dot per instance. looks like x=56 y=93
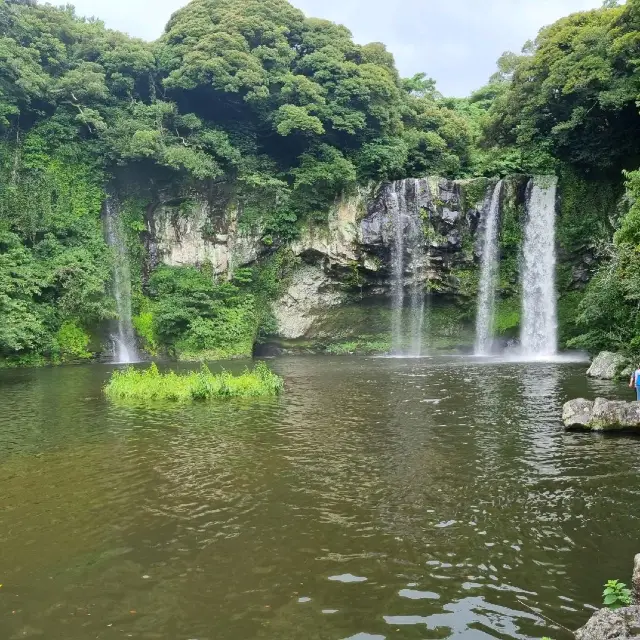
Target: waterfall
x=397 y=266
x=124 y=340
x=407 y=240
x=415 y=243
x=488 y=275
x=539 y=322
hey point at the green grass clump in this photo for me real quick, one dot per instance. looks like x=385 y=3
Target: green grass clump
x=359 y=347
x=150 y=384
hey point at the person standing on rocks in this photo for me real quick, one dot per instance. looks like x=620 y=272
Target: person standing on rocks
x=635 y=381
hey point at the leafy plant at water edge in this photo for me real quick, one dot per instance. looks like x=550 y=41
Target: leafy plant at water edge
x=71 y=343
x=616 y=595
x=150 y=384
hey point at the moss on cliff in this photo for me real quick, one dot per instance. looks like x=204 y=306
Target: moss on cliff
x=588 y=212
x=365 y=328
x=511 y=236
x=474 y=192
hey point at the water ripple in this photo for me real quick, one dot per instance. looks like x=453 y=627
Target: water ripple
x=435 y=494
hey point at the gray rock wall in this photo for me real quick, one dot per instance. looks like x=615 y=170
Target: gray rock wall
x=350 y=253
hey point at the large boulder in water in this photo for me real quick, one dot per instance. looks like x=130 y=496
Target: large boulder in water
x=605 y=624
x=601 y=415
x=607 y=365
x=577 y=413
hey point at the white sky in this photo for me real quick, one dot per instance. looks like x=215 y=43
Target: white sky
x=457 y=42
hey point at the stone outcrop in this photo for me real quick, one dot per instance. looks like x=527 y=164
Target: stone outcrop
x=199 y=238
x=619 y=624
x=605 y=624
x=450 y=215
x=607 y=366
x=308 y=295
x=601 y=415
x=346 y=257
x=635 y=581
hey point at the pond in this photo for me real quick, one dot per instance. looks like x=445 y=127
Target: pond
x=377 y=498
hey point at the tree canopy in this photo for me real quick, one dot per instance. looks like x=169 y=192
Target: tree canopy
x=251 y=97
x=278 y=113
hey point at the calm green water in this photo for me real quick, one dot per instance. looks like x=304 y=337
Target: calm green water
x=377 y=498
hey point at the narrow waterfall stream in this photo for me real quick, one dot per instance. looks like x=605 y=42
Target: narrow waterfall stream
x=408 y=240
x=415 y=245
x=539 y=317
x=125 y=350
x=396 y=208
x=488 y=275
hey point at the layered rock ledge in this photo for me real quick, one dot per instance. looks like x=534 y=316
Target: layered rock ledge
x=601 y=415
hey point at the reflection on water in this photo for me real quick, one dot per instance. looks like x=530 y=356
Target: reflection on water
x=378 y=498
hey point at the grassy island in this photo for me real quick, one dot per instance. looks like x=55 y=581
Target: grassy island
x=151 y=384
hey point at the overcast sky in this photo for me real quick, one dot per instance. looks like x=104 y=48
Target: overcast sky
x=454 y=41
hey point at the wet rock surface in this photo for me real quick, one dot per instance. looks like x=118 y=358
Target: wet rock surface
x=607 y=365
x=601 y=415
x=606 y=624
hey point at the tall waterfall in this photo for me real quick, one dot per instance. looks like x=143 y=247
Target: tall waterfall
x=407 y=240
x=396 y=208
x=488 y=275
x=539 y=320
x=124 y=340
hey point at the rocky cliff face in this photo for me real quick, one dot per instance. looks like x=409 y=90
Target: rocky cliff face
x=202 y=234
x=349 y=258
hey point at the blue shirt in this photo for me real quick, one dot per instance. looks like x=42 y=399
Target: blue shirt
x=636 y=377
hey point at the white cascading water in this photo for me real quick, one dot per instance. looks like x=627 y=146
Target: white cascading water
x=415 y=245
x=125 y=350
x=539 y=331
x=397 y=267
x=488 y=275
x=408 y=237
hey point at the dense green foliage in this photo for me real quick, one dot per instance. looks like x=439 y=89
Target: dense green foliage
x=149 y=384
x=272 y=115
x=247 y=100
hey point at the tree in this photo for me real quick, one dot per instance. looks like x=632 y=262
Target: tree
x=576 y=90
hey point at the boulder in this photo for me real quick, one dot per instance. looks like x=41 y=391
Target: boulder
x=618 y=624
x=601 y=415
x=607 y=365
x=605 y=624
x=577 y=413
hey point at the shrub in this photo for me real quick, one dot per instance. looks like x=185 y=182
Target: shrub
x=359 y=346
x=507 y=320
x=150 y=384
x=616 y=595
x=71 y=343
x=143 y=324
